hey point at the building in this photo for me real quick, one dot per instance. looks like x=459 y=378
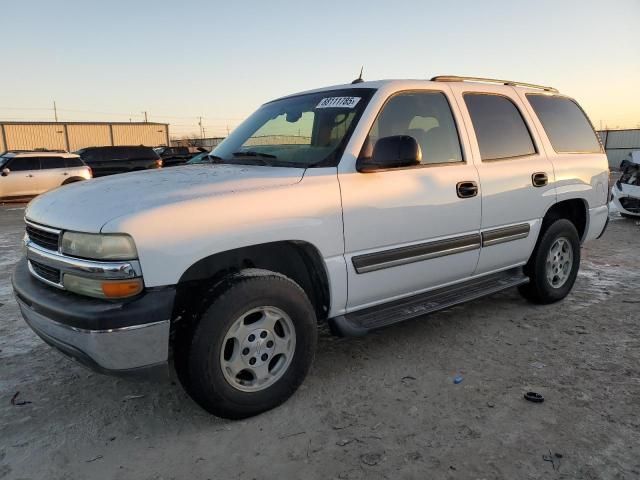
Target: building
x=72 y=136
x=619 y=143
x=208 y=143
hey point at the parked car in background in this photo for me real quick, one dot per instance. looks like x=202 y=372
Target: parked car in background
x=120 y=159
x=25 y=174
x=395 y=199
x=625 y=193
x=172 y=156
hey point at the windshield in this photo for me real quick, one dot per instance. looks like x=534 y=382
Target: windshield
x=302 y=131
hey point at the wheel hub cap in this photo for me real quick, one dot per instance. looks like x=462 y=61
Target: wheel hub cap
x=258 y=349
x=559 y=262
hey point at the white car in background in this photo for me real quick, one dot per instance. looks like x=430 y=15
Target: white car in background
x=25 y=174
x=625 y=194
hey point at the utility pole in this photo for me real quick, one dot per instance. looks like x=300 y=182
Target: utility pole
x=227 y=130
x=55 y=111
x=146 y=120
x=201 y=129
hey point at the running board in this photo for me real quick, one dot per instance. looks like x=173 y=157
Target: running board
x=359 y=323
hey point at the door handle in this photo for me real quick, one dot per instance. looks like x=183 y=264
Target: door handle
x=65 y=173
x=30 y=176
x=539 y=179
x=467 y=189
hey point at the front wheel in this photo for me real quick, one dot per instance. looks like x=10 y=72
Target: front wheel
x=553 y=266
x=252 y=347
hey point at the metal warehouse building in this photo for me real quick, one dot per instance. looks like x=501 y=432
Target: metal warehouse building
x=72 y=136
x=619 y=143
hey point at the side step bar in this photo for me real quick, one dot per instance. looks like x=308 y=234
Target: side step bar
x=359 y=323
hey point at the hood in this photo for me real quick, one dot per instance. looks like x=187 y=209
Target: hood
x=86 y=206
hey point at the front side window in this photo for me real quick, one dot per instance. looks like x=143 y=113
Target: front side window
x=425 y=116
x=24 y=163
x=565 y=124
x=499 y=126
x=302 y=131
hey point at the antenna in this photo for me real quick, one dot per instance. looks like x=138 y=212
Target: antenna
x=359 y=79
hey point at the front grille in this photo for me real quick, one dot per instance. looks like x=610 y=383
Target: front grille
x=46 y=272
x=630 y=204
x=43 y=238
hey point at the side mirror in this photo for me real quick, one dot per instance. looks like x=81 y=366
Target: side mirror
x=5 y=172
x=391 y=152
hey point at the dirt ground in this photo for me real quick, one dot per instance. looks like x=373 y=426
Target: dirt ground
x=382 y=406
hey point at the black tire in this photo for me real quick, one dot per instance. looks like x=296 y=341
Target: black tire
x=197 y=359
x=539 y=289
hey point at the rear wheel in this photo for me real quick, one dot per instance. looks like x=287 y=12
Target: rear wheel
x=252 y=346
x=553 y=266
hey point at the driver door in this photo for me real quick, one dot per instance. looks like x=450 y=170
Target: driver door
x=408 y=230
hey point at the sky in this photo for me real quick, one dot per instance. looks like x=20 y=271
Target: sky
x=114 y=60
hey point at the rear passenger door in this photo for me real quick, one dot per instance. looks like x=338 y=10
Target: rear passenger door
x=52 y=173
x=517 y=179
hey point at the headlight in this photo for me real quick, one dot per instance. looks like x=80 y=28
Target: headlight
x=102 y=288
x=99 y=247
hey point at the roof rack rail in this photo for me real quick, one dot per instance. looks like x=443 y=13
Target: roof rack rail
x=455 y=78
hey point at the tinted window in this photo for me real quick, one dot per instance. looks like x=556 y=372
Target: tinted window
x=24 y=163
x=52 y=162
x=425 y=116
x=73 y=162
x=565 y=123
x=499 y=127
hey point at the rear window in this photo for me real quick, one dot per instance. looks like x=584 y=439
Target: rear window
x=499 y=127
x=52 y=162
x=565 y=124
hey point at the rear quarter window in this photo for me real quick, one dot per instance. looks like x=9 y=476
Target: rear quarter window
x=565 y=123
x=73 y=162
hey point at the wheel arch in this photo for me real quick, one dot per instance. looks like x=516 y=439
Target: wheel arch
x=576 y=210
x=299 y=260
x=73 y=180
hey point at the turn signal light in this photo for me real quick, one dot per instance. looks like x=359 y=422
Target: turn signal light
x=122 y=289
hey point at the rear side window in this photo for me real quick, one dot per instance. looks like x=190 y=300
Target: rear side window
x=499 y=127
x=73 y=162
x=24 y=163
x=565 y=124
x=141 y=153
x=52 y=162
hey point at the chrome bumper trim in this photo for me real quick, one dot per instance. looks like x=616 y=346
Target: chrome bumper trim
x=117 y=270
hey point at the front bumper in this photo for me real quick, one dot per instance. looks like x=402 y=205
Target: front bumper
x=128 y=336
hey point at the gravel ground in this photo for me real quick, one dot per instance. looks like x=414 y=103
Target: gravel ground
x=382 y=406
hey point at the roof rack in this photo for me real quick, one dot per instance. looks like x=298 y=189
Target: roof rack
x=36 y=150
x=455 y=78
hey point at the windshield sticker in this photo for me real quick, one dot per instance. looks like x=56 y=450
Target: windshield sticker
x=338 y=102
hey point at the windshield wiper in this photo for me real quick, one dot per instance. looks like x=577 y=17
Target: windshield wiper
x=251 y=153
x=259 y=156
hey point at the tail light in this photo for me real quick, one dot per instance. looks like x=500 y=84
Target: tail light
x=159 y=163
x=90 y=172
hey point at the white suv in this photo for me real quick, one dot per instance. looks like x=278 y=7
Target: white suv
x=24 y=174
x=362 y=205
